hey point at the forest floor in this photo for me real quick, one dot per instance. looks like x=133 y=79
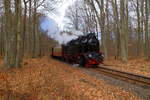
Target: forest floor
x=137 y=66
x=48 y=79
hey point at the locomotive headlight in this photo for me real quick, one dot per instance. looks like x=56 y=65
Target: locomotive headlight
x=102 y=55
x=90 y=55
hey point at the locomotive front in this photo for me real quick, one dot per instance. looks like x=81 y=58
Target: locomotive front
x=92 y=55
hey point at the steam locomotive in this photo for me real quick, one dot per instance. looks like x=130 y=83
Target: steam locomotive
x=84 y=50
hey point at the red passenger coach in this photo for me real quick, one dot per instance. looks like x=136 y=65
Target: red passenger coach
x=83 y=50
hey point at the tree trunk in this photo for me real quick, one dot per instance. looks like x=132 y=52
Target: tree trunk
x=108 y=42
x=123 y=30
x=8 y=59
x=102 y=26
x=142 y=26
x=34 y=31
x=24 y=28
x=29 y=33
x=1 y=36
x=116 y=28
x=138 y=29
x=18 y=33
x=147 y=47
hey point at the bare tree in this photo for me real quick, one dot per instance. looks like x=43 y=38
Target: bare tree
x=25 y=2
x=8 y=59
x=147 y=33
x=123 y=29
x=1 y=35
x=17 y=36
x=139 y=27
x=101 y=19
x=19 y=39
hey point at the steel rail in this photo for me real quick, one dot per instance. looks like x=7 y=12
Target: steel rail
x=126 y=76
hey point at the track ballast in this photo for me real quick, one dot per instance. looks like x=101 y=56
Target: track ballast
x=125 y=76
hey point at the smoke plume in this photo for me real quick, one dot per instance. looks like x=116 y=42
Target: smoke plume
x=49 y=25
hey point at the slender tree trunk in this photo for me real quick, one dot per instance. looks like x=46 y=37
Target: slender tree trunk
x=108 y=42
x=123 y=30
x=7 y=21
x=34 y=31
x=37 y=38
x=18 y=33
x=142 y=26
x=1 y=37
x=24 y=28
x=29 y=42
x=117 y=28
x=126 y=26
x=138 y=29
x=102 y=26
x=148 y=18
x=147 y=54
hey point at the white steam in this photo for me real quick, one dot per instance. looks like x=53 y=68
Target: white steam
x=48 y=25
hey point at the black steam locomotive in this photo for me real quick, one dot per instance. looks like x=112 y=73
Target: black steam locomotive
x=84 y=50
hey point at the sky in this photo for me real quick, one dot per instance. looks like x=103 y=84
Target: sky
x=59 y=18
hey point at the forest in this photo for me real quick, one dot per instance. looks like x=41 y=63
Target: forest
x=31 y=29
x=123 y=24
x=20 y=33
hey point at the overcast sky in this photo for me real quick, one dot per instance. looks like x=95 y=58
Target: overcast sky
x=59 y=18
x=55 y=22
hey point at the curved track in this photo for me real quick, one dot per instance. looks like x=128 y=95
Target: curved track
x=125 y=76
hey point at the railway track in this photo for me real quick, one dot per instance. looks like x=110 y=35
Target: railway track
x=125 y=76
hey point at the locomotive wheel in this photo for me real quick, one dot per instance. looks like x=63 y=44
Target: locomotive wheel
x=81 y=61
